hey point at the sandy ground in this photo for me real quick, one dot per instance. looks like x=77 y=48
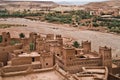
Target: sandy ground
x=97 y=38
x=52 y=75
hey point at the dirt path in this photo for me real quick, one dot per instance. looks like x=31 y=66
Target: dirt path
x=97 y=38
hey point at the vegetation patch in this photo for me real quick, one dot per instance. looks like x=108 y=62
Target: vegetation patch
x=5 y=14
x=76 y=44
x=67 y=18
x=1 y=38
x=112 y=24
x=13 y=42
x=22 y=35
x=11 y=25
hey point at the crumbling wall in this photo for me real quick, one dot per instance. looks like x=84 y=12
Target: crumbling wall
x=4 y=57
x=21 y=61
x=4 y=52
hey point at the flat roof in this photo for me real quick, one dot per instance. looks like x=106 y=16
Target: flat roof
x=32 y=54
x=91 y=56
x=48 y=75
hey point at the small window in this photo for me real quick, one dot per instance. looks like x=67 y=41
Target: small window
x=46 y=63
x=57 y=54
x=75 y=52
x=5 y=40
x=22 y=52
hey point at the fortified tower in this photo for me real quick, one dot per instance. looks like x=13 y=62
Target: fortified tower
x=68 y=54
x=86 y=45
x=6 y=37
x=59 y=39
x=40 y=43
x=106 y=55
x=50 y=37
x=46 y=59
x=32 y=37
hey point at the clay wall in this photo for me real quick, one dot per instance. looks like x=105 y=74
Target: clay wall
x=21 y=61
x=2 y=44
x=37 y=66
x=1 y=64
x=106 y=55
x=37 y=58
x=76 y=66
x=40 y=44
x=4 y=52
x=50 y=36
x=22 y=70
x=113 y=77
x=4 y=57
x=68 y=54
x=10 y=48
x=116 y=70
x=56 y=49
x=84 y=62
x=47 y=60
x=0 y=78
x=14 y=68
x=60 y=62
x=6 y=37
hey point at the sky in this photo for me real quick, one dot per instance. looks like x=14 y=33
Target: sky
x=63 y=0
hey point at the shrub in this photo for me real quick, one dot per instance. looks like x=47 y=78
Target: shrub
x=76 y=44
x=22 y=35
x=13 y=42
x=32 y=46
x=0 y=38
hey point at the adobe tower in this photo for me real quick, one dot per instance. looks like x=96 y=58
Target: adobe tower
x=106 y=55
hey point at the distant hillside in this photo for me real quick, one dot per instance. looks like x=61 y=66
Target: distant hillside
x=72 y=3
x=105 y=4
x=114 y=3
x=20 y=5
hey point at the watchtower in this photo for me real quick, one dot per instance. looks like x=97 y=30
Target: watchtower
x=6 y=37
x=46 y=59
x=32 y=36
x=59 y=39
x=50 y=36
x=106 y=55
x=68 y=54
x=86 y=45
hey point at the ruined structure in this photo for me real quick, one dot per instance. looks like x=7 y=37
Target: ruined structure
x=39 y=51
x=74 y=59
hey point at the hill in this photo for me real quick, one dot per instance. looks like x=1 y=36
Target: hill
x=105 y=4
x=21 y=5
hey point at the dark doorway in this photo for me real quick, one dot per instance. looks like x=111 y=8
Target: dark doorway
x=33 y=59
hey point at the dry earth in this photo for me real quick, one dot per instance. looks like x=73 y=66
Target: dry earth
x=97 y=38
